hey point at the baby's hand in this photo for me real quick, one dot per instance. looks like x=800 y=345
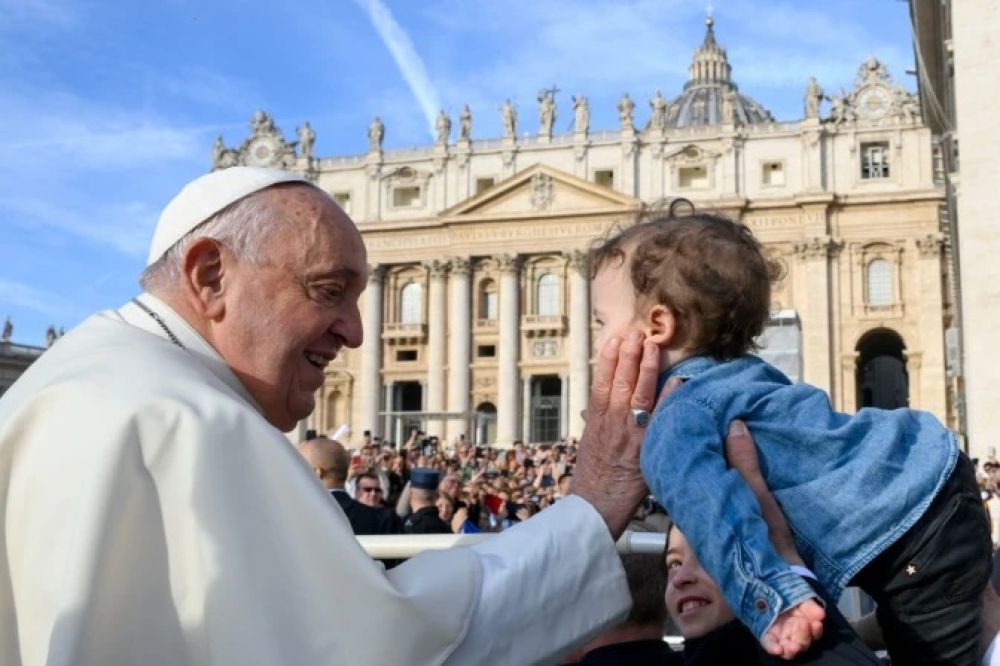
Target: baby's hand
x=794 y=630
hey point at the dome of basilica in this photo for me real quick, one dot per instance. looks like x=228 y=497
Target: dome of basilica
x=710 y=97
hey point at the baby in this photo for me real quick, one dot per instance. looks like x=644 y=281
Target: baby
x=880 y=499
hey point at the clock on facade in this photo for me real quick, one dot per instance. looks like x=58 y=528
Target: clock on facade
x=261 y=151
x=873 y=102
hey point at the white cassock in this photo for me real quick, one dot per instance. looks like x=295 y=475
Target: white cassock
x=150 y=515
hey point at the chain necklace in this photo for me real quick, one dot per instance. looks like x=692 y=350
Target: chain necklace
x=156 y=318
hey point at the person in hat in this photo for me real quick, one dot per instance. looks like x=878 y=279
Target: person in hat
x=424 y=518
x=178 y=525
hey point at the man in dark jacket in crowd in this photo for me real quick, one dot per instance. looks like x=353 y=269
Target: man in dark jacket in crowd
x=330 y=461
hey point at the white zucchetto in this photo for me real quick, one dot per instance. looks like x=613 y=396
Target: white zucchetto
x=205 y=196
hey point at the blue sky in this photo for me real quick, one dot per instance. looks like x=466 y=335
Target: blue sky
x=107 y=107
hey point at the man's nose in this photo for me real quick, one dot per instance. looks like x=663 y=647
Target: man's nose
x=349 y=327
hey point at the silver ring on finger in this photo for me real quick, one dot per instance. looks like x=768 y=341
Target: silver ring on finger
x=640 y=417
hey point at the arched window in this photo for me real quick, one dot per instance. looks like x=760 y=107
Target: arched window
x=547 y=295
x=488 y=300
x=879 y=282
x=409 y=303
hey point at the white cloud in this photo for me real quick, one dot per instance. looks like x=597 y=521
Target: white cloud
x=75 y=167
x=205 y=87
x=409 y=62
x=125 y=226
x=15 y=294
x=62 y=130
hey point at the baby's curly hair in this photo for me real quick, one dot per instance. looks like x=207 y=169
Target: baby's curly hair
x=710 y=271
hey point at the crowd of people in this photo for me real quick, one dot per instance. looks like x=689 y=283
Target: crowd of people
x=475 y=488
x=988 y=476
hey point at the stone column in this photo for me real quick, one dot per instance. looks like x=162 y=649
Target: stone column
x=437 y=315
x=579 y=340
x=371 y=352
x=564 y=384
x=526 y=408
x=510 y=325
x=459 y=347
x=387 y=432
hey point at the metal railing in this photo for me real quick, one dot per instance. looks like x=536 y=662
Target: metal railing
x=401 y=546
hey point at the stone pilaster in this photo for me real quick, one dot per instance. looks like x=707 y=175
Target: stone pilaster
x=459 y=347
x=507 y=354
x=814 y=257
x=579 y=340
x=371 y=381
x=927 y=370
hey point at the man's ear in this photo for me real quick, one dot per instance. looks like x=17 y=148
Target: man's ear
x=660 y=325
x=205 y=264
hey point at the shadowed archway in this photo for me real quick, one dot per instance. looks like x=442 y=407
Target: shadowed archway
x=882 y=379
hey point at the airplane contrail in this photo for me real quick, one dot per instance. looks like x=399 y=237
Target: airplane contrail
x=409 y=62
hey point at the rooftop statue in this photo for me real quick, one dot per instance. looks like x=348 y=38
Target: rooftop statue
x=307 y=139
x=658 y=121
x=813 y=98
x=546 y=112
x=509 y=116
x=261 y=123
x=443 y=127
x=465 y=123
x=376 y=132
x=581 y=114
x=625 y=108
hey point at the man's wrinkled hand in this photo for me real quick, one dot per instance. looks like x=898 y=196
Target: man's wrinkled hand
x=607 y=470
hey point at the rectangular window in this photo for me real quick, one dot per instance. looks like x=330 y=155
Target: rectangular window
x=692 y=177
x=406 y=197
x=489 y=307
x=605 y=178
x=875 y=160
x=773 y=174
x=343 y=200
x=483 y=184
x=404 y=355
x=486 y=351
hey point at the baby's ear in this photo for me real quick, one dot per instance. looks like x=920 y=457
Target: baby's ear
x=660 y=325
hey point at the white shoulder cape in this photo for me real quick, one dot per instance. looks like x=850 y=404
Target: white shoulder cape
x=150 y=515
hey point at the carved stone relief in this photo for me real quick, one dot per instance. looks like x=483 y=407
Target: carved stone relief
x=542 y=191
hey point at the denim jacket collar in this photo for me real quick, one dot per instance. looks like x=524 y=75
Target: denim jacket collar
x=686 y=369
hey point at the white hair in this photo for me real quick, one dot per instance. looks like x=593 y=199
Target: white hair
x=243 y=227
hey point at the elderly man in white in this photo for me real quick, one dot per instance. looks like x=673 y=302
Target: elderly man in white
x=151 y=511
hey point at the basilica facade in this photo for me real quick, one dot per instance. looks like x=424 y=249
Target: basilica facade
x=477 y=314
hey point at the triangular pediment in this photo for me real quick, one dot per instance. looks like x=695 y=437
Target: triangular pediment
x=541 y=191
x=691 y=154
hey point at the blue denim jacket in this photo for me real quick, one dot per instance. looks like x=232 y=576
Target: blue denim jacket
x=850 y=486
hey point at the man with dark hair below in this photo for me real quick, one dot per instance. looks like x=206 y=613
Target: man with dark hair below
x=179 y=526
x=329 y=462
x=424 y=518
